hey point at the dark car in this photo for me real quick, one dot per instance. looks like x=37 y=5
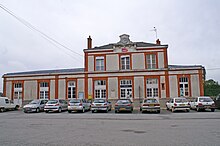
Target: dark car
x=217 y=102
x=123 y=105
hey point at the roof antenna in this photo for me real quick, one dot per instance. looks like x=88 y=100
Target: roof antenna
x=155 y=30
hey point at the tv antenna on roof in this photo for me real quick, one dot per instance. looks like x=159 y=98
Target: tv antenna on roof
x=155 y=30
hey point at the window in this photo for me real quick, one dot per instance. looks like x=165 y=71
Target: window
x=71 y=89
x=17 y=85
x=44 y=90
x=184 y=86
x=151 y=61
x=125 y=62
x=152 y=88
x=126 y=89
x=100 y=89
x=99 y=62
x=44 y=84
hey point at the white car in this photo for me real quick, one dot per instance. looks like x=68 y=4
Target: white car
x=6 y=104
x=202 y=103
x=35 y=106
x=178 y=103
x=58 y=105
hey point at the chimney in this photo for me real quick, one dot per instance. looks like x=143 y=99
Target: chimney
x=158 y=42
x=89 y=42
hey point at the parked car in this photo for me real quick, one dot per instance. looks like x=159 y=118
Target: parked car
x=100 y=105
x=81 y=105
x=217 y=102
x=58 y=105
x=35 y=106
x=150 y=104
x=203 y=103
x=124 y=105
x=178 y=103
x=6 y=104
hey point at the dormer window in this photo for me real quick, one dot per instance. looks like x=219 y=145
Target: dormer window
x=125 y=62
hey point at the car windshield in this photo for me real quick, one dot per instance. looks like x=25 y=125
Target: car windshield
x=123 y=102
x=150 y=101
x=34 y=102
x=52 y=102
x=205 y=99
x=180 y=100
x=99 y=101
x=75 y=101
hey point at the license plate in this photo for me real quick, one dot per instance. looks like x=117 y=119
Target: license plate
x=151 y=104
x=182 y=104
x=207 y=106
x=122 y=108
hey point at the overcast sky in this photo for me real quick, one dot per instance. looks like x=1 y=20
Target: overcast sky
x=191 y=28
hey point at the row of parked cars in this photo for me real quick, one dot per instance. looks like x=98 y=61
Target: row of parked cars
x=148 y=104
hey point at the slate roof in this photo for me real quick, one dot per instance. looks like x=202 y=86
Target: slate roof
x=138 y=44
x=184 y=66
x=46 y=72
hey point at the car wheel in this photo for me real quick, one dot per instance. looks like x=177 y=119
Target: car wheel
x=16 y=107
x=93 y=111
x=197 y=109
x=212 y=110
x=158 y=111
x=187 y=110
x=60 y=110
x=46 y=111
x=37 y=110
x=172 y=110
x=140 y=109
x=69 y=111
x=167 y=107
x=116 y=111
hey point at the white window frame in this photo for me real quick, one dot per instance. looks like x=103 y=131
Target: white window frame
x=184 y=86
x=44 y=90
x=99 y=63
x=100 y=89
x=126 y=89
x=152 y=87
x=71 y=89
x=151 y=61
x=125 y=62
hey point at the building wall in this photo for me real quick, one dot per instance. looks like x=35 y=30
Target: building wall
x=163 y=92
x=113 y=88
x=160 y=60
x=90 y=88
x=173 y=86
x=139 y=87
x=80 y=86
x=62 y=88
x=112 y=62
x=90 y=63
x=9 y=89
x=52 y=90
x=138 y=61
x=30 y=90
x=195 y=85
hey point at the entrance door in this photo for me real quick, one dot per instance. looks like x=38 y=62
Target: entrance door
x=126 y=89
x=184 y=87
x=18 y=98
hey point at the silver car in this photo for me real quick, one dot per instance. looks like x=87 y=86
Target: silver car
x=35 y=106
x=81 y=105
x=58 y=105
x=100 y=105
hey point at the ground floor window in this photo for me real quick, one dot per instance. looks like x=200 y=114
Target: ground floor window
x=71 y=89
x=44 y=95
x=152 y=88
x=100 y=89
x=18 y=95
x=184 y=86
x=126 y=89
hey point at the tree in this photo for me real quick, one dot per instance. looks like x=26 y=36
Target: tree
x=211 y=88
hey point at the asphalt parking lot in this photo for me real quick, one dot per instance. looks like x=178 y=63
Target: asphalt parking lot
x=110 y=129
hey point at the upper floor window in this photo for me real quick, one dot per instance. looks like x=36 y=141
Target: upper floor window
x=125 y=62
x=151 y=61
x=100 y=82
x=99 y=63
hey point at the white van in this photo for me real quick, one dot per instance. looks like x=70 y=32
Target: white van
x=6 y=104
